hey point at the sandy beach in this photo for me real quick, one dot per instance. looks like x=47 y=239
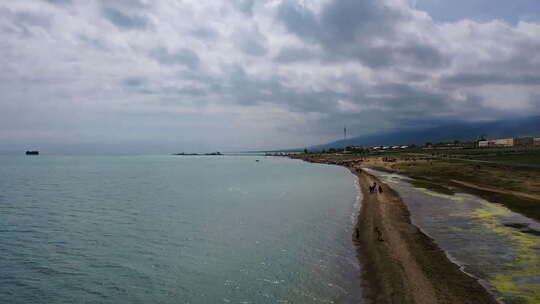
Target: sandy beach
x=401 y=264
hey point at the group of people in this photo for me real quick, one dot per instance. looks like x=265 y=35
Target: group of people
x=373 y=188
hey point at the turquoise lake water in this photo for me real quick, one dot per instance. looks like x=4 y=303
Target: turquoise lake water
x=176 y=229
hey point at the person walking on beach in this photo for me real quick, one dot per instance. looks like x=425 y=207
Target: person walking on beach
x=380 y=189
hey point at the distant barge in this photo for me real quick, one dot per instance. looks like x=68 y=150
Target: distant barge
x=32 y=152
x=192 y=154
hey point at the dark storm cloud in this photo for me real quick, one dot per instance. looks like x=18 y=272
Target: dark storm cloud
x=125 y=21
x=274 y=70
x=183 y=56
x=340 y=23
x=346 y=29
x=298 y=19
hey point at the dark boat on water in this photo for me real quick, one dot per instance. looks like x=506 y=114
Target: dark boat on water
x=32 y=152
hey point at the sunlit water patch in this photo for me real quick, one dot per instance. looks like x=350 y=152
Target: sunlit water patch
x=176 y=229
x=486 y=239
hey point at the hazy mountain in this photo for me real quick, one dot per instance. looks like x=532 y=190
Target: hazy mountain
x=462 y=131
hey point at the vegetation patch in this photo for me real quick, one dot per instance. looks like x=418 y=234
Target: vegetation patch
x=421 y=183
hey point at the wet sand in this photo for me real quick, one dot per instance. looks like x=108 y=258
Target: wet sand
x=400 y=263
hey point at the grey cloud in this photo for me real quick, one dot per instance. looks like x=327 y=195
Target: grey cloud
x=124 y=21
x=251 y=42
x=93 y=42
x=417 y=54
x=172 y=96
x=345 y=29
x=183 y=56
x=242 y=89
x=22 y=24
x=413 y=76
x=452 y=11
x=344 y=22
x=60 y=2
x=252 y=46
x=421 y=54
x=124 y=4
x=144 y=86
x=479 y=79
x=292 y=55
x=245 y=6
x=348 y=21
x=134 y=81
x=370 y=64
x=298 y=20
x=25 y=19
x=175 y=96
x=32 y=19
x=407 y=99
x=205 y=33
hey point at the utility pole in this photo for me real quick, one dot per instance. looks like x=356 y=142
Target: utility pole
x=344 y=138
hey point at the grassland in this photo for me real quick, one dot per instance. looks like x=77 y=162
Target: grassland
x=510 y=176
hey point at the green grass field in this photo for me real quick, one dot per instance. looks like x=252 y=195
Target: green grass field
x=506 y=169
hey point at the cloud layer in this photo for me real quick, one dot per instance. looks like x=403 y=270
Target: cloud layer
x=231 y=75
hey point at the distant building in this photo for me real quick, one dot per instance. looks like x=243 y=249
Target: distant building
x=524 y=141
x=483 y=144
x=537 y=141
x=502 y=142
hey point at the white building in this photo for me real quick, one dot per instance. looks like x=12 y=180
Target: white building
x=483 y=144
x=502 y=142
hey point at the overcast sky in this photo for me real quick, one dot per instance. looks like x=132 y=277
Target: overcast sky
x=167 y=76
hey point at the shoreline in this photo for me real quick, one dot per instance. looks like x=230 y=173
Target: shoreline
x=400 y=263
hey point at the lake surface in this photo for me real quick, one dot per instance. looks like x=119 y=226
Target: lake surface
x=176 y=229
x=478 y=235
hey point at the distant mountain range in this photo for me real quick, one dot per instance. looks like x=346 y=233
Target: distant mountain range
x=462 y=131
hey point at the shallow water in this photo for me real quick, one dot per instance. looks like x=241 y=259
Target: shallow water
x=172 y=229
x=474 y=233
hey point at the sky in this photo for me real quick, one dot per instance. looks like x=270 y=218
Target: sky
x=140 y=76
